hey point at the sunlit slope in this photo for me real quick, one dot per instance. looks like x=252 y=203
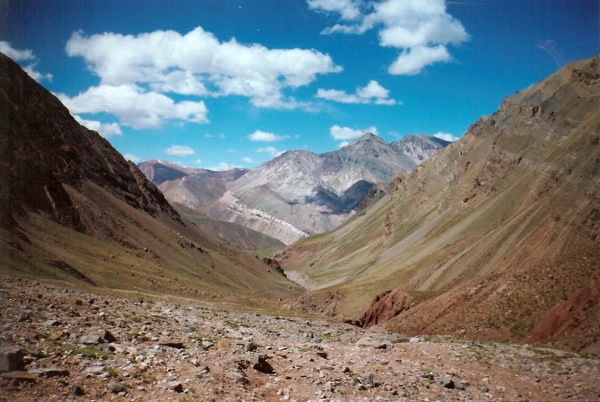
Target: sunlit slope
x=508 y=214
x=229 y=232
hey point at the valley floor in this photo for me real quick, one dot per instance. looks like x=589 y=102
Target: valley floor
x=109 y=348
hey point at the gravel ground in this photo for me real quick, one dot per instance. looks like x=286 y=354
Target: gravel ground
x=64 y=345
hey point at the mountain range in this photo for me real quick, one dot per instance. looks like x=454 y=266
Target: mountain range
x=298 y=193
x=495 y=237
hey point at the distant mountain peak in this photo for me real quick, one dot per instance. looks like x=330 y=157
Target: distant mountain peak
x=298 y=192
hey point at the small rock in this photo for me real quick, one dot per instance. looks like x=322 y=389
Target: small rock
x=176 y=345
x=237 y=377
x=77 y=390
x=366 y=378
x=250 y=346
x=322 y=354
x=19 y=376
x=24 y=316
x=11 y=359
x=175 y=386
x=109 y=337
x=260 y=364
x=187 y=330
x=95 y=370
x=415 y=340
x=92 y=339
x=116 y=387
x=373 y=343
x=50 y=372
x=52 y=323
x=446 y=382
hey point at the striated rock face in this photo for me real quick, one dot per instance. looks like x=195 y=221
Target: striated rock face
x=298 y=193
x=37 y=170
x=419 y=147
x=386 y=306
x=231 y=209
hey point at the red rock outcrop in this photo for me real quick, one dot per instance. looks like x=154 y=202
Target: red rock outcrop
x=386 y=305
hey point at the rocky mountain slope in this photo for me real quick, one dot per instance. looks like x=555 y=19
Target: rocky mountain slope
x=298 y=193
x=73 y=209
x=493 y=238
x=193 y=191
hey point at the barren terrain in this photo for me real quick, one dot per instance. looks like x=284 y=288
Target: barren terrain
x=81 y=346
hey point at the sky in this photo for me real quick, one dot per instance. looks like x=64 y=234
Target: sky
x=219 y=84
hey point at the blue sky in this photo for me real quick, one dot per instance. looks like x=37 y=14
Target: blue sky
x=232 y=83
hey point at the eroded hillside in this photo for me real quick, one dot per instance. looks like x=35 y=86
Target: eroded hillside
x=495 y=237
x=74 y=209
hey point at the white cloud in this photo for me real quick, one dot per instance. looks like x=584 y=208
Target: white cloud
x=179 y=150
x=347 y=133
x=411 y=61
x=16 y=54
x=134 y=106
x=24 y=55
x=198 y=161
x=247 y=160
x=208 y=135
x=422 y=29
x=131 y=157
x=348 y=9
x=263 y=136
x=180 y=82
x=343 y=144
x=445 y=136
x=274 y=152
x=104 y=129
x=372 y=93
x=190 y=64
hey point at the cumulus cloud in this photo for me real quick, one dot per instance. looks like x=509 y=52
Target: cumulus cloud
x=411 y=61
x=372 y=93
x=104 y=129
x=197 y=63
x=131 y=157
x=179 y=150
x=445 y=136
x=421 y=29
x=272 y=151
x=134 y=106
x=347 y=133
x=20 y=56
x=263 y=136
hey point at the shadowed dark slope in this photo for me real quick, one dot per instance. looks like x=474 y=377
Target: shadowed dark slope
x=43 y=148
x=73 y=209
